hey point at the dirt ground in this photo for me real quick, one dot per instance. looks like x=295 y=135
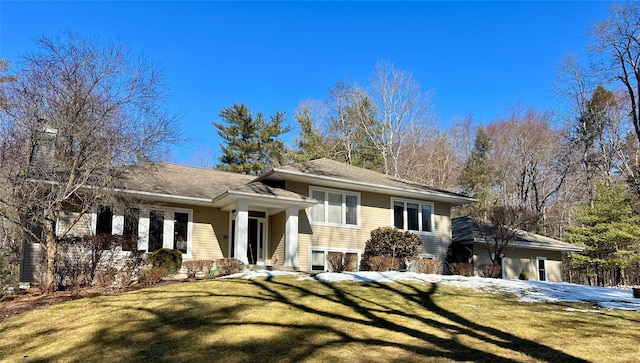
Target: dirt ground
x=27 y=300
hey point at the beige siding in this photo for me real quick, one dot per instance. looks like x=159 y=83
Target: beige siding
x=375 y=212
x=438 y=244
x=210 y=234
x=81 y=227
x=275 y=255
x=519 y=259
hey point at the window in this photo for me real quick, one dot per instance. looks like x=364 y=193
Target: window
x=130 y=228
x=319 y=262
x=104 y=223
x=542 y=268
x=335 y=207
x=180 y=236
x=413 y=215
x=156 y=230
x=131 y=221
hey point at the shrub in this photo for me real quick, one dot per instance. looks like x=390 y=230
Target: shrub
x=428 y=266
x=340 y=262
x=490 y=271
x=229 y=266
x=523 y=275
x=383 y=263
x=391 y=242
x=93 y=260
x=195 y=266
x=167 y=258
x=460 y=268
x=153 y=275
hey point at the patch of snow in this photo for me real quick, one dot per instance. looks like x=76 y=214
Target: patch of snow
x=250 y=275
x=526 y=291
x=583 y=310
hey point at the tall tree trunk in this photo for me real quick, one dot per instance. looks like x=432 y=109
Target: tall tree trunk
x=52 y=249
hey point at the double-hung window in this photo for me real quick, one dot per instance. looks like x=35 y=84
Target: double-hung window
x=335 y=207
x=412 y=215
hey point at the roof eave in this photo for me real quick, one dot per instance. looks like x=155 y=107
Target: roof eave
x=453 y=200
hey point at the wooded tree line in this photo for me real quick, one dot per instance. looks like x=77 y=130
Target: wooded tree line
x=559 y=167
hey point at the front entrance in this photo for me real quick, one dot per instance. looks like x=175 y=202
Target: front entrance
x=256 y=243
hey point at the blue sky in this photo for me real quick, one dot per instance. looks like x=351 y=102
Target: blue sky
x=479 y=58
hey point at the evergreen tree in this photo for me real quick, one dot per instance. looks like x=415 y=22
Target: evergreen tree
x=309 y=145
x=609 y=232
x=476 y=178
x=251 y=143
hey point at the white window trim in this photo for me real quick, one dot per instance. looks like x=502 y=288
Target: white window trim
x=326 y=250
x=143 y=226
x=406 y=220
x=344 y=208
x=546 y=268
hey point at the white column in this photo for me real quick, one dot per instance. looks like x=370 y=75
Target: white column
x=291 y=237
x=167 y=231
x=242 y=231
x=117 y=221
x=143 y=230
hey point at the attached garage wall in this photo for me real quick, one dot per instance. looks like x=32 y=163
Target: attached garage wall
x=518 y=259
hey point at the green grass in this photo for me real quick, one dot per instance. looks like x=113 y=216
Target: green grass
x=286 y=320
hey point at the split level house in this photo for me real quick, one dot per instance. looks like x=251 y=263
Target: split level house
x=288 y=217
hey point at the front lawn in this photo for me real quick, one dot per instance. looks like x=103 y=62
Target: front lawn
x=287 y=319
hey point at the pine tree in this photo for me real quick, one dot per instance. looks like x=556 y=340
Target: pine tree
x=476 y=178
x=309 y=145
x=609 y=232
x=251 y=143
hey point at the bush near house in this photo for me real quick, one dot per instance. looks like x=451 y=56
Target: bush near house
x=460 y=268
x=229 y=266
x=523 y=275
x=166 y=258
x=383 y=263
x=96 y=260
x=393 y=243
x=428 y=266
x=340 y=262
x=195 y=266
x=490 y=271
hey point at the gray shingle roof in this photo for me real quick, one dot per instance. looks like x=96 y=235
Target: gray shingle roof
x=464 y=231
x=327 y=168
x=263 y=189
x=180 y=180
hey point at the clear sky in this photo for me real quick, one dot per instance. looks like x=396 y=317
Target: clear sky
x=479 y=58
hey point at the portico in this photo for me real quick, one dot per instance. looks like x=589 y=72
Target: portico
x=250 y=207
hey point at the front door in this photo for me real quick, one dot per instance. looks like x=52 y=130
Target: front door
x=255 y=246
x=256 y=243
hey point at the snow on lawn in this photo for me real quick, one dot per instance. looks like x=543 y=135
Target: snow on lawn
x=526 y=291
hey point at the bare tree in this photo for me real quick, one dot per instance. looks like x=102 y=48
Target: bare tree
x=616 y=53
x=78 y=112
x=404 y=115
x=500 y=227
x=528 y=158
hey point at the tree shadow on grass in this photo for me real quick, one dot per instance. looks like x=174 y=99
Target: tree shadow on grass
x=315 y=322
